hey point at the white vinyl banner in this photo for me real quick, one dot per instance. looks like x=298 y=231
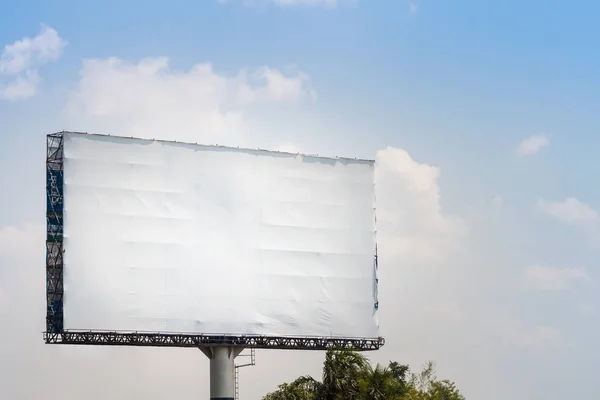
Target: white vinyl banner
x=183 y=238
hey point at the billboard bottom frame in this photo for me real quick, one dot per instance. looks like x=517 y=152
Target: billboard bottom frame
x=186 y=340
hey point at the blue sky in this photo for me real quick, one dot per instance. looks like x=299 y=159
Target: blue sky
x=491 y=251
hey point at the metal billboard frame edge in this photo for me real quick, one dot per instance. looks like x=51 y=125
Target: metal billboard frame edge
x=195 y=341
x=55 y=333
x=219 y=146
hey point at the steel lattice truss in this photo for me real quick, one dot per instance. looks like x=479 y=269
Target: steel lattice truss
x=54 y=233
x=55 y=333
x=175 y=340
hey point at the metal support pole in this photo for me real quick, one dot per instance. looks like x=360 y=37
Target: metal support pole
x=222 y=371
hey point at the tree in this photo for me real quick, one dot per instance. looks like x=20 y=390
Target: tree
x=426 y=386
x=347 y=375
x=381 y=383
x=303 y=388
x=342 y=371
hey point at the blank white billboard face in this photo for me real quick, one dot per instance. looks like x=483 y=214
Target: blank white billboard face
x=181 y=238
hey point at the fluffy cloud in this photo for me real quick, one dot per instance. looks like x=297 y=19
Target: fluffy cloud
x=411 y=224
x=274 y=86
x=198 y=104
x=539 y=277
x=570 y=211
x=532 y=145
x=20 y=62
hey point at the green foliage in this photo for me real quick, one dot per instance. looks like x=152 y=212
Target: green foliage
x=381 y=383
x=348 y=375
x=342 y=371
x=303 y=388
x=426 y=386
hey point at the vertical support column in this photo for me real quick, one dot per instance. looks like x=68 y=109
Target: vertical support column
x=222 y=371
x=54 y=233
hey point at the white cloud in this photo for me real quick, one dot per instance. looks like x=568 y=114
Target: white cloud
x=570 y=211
x=22 y=87
x=538 y=277
x=21 y=60
x=274 y=85
x=411 y=225
x=199 y=104
x=532 y=145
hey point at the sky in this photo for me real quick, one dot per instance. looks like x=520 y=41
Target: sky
x=481 y=116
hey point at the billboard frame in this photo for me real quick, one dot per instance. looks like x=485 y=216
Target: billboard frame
x=55 y=333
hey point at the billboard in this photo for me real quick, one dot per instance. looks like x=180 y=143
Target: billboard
x=189 y=239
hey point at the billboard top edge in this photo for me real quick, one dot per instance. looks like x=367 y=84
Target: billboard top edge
x=362 y=160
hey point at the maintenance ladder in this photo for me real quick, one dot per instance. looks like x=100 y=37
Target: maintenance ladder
x=252 y=362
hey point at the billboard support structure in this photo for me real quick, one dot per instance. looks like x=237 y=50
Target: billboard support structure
x=96 y=338
x=57 y=333
x=222 y=371
x=54 y=233
x=251 y=363
x=221 y=349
